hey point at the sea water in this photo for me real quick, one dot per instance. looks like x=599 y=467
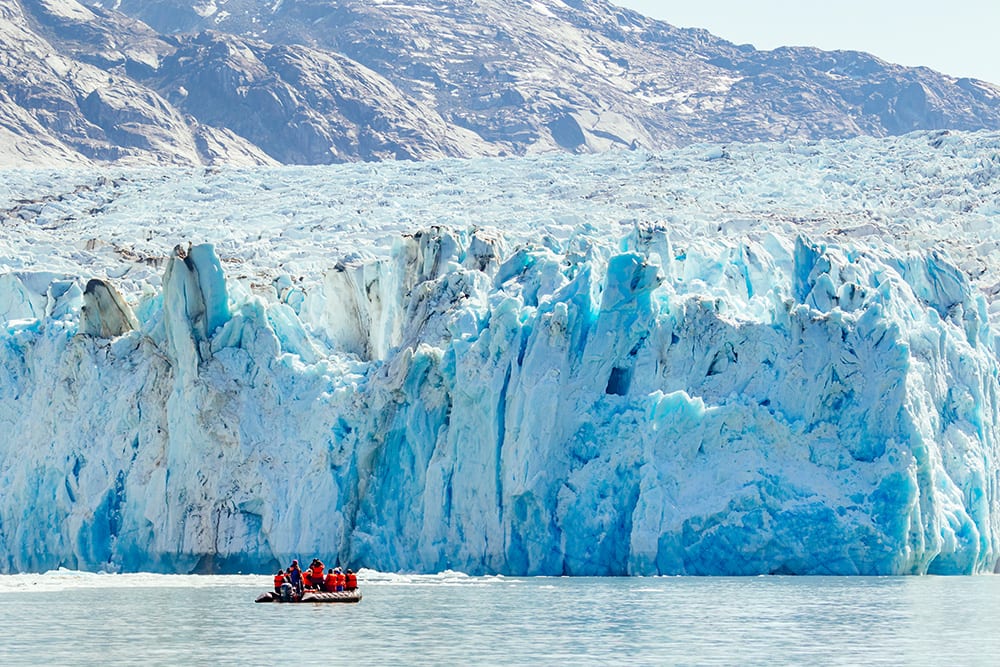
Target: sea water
x=68 y=618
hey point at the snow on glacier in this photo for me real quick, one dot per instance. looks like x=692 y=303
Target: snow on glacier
x=721 y=360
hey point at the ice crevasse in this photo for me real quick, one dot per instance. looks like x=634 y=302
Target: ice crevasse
x=580 y=406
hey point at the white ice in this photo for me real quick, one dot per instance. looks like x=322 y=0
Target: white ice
x=721 y=360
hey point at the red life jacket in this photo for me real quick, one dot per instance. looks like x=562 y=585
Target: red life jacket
x=339 y=580
x=278 y=580
x=307 y=578
x=330 y=583
x=316 y=572
x=351 y=581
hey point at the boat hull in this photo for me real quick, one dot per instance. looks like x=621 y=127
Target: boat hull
x=314 y=596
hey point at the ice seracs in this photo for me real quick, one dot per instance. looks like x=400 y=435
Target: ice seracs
x=586 y=415
x=104 y=312
x=195 y=303
x=672 y=394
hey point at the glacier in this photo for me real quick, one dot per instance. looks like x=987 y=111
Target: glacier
x=740 y=359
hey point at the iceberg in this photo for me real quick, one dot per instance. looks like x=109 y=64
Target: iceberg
x=632 y=399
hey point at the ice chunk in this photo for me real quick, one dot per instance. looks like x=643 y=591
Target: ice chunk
x=105 y=312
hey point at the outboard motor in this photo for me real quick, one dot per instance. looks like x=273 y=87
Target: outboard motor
x=285 y=592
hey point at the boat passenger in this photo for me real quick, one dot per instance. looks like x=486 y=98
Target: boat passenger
x=350 y=581
x=295 y=577
x=316 y=572
x=339 y=579
x=279 y=579
x=330 y=582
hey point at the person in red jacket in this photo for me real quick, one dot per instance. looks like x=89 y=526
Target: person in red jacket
x=316 y=572
x=330 y=583
x=279 y=579
x=339 y=579
x=350 y=581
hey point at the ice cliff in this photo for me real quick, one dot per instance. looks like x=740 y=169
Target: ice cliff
x=590 y=405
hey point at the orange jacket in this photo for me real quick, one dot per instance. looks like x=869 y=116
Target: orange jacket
x=340 y=580
x=278 y=580
x=316 y=572
x=351 y=581
x=330 y=583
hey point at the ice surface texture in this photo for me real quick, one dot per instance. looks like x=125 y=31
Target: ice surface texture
x=602 y=402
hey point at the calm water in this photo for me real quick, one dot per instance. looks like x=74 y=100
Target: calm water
x=78 y=619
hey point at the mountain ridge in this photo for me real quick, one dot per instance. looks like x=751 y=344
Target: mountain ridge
x=309 y=82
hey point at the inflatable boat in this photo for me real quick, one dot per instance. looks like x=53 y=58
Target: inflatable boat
x=312 y=596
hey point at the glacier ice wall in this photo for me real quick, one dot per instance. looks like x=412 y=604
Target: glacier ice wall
x=578 y=406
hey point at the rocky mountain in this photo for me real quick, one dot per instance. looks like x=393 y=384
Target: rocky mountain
x=322 y=81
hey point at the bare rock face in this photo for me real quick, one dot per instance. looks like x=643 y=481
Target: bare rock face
x=321 y=81
x=307 y=106
x=72 y=81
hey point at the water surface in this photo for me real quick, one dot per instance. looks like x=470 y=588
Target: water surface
x=84 y=619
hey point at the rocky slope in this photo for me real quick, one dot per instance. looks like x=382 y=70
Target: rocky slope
x=321 y=81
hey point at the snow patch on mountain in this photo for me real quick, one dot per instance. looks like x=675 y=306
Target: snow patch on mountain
x=67 y=9
x=205 y=9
